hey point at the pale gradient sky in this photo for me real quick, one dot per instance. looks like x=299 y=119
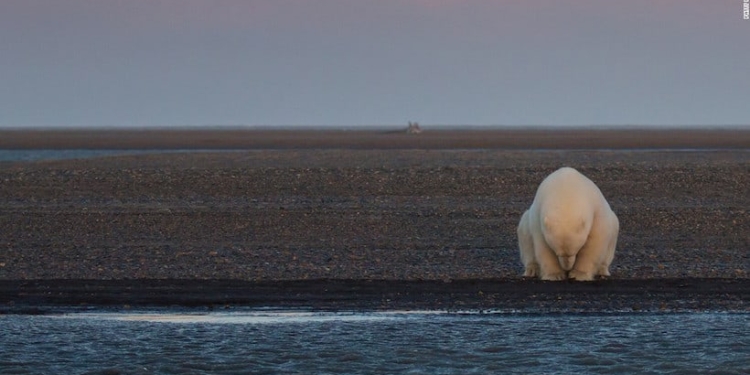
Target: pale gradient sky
x=373 y=62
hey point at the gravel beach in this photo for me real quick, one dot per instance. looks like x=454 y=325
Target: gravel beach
x=415 y=217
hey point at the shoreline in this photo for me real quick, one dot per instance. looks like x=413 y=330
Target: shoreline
x=44 y=297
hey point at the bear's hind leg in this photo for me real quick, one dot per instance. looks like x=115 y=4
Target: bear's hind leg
x=603 y=271
x=609 y=252
x=611 y=245
x=526 y=247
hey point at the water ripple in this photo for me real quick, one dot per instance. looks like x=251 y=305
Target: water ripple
x=415 y=343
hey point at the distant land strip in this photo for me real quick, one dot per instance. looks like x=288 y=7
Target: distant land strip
x=368 y=138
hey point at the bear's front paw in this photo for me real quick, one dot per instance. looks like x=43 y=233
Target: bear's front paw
x=532 y=270
x=557 y=276
x=604 y=272
x=580 y=276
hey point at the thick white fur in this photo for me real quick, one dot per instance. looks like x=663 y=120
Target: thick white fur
x=569 y=231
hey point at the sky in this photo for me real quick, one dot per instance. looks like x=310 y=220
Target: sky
x=143 y=63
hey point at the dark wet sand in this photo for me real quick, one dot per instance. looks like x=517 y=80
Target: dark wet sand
x=425 y=225
x=513 y=295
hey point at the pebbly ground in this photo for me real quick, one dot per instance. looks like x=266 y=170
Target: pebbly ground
x=310 y=218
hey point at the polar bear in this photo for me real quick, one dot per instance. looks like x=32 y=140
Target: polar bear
x=569 y=231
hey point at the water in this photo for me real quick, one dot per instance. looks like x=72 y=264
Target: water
x=374 y=343
x=49 y=154
x=44 y=154
x=35 y=155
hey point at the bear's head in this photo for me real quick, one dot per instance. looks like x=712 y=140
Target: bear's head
x=566 y=238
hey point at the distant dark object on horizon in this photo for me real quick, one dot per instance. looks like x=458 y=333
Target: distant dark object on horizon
x=413 y=128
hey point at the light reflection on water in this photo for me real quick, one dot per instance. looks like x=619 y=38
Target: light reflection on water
x=374 y=343
x=251 y=317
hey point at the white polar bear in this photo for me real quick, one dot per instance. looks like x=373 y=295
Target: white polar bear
x=569 y=228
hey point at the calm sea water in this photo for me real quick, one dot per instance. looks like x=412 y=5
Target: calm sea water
x=35 y=155
x=375 y=343
x=31 y=155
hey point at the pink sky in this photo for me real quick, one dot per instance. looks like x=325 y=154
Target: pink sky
x=152 y=62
